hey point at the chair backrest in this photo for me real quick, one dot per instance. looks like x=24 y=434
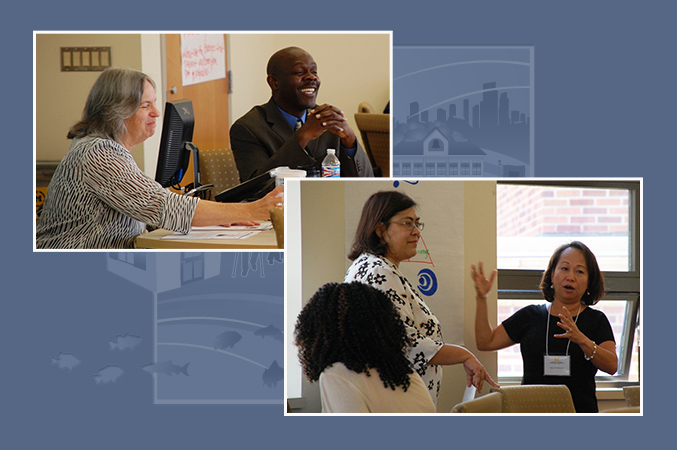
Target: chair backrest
x=365 y=107
x=277 y=218
x=536 y=398
x=632 y=395
x=375 y=132
x=487 y=404
x=623 y=410
x=218 y=167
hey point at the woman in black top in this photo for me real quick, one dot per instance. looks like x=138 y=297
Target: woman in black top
x=565 y=342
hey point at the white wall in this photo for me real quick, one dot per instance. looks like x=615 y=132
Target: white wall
x=153 y=65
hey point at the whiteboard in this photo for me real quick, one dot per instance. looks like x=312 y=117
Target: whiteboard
x=203 y=58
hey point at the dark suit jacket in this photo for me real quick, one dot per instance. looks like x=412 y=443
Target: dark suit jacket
x=262 y=140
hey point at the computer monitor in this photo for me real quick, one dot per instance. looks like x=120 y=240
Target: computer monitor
x=176 y=145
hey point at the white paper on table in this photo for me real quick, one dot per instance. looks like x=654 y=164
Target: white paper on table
x=263 y=226
x=217 y=234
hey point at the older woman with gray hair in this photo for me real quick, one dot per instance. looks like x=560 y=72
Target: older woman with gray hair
x=99 y=198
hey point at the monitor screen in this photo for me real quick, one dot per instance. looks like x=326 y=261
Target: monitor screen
x=177 y=131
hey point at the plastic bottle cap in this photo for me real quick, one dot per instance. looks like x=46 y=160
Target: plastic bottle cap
x=331 y=151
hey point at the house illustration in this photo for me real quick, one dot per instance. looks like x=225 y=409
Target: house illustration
x=441 y=153
x=164 y=272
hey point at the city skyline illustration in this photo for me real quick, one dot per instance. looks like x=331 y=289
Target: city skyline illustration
x=463 y=111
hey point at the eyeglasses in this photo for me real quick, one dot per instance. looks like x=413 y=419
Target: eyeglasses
x=409 y=225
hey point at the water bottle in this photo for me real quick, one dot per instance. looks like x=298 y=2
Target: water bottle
x=331 y=166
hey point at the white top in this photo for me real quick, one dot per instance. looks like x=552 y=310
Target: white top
x=345 y=391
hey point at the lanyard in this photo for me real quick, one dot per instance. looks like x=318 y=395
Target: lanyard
x=547 y=329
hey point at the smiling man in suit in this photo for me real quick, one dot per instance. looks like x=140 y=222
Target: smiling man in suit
x=291 y=129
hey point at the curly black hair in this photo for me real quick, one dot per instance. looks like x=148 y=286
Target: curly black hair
x=357 y=325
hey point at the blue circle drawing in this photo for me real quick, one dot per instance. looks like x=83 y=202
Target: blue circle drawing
x=396 y=183
x=427 y=282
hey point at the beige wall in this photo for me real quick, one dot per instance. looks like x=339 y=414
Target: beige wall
x=352 y=67
x=480 y=245
x=60 y=96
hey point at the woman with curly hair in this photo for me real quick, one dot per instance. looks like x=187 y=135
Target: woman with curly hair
x=351 y=339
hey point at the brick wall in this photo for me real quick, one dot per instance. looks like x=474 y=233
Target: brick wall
x=539 y=211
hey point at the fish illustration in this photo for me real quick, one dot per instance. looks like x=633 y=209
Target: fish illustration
x=273 y=374
x=108 y=374
x=166 y=367
x=124 y=341
x=271 y=331
x=227 y=339
x=66 y=361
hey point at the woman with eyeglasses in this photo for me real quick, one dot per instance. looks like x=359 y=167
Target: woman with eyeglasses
x=387 y=234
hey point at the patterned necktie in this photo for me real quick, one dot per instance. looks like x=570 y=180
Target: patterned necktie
x=298 y=125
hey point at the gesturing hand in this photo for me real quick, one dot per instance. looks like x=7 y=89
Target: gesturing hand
x=571 y=331
x=477 y=374
x=482 y=284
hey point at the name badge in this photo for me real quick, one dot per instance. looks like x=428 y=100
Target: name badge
x=559 y=365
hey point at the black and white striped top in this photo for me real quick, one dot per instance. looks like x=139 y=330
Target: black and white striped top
x=99 y=198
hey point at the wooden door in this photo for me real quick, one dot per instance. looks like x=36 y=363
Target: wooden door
x=210 y=102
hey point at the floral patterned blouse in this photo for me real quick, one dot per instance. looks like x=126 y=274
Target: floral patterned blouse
x=423 y=328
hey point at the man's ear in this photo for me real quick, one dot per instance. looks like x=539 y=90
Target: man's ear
x=272 y=82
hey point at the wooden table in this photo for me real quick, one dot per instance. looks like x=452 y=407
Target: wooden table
x=153 y=240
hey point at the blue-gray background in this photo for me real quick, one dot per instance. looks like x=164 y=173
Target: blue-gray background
x=605 y=106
